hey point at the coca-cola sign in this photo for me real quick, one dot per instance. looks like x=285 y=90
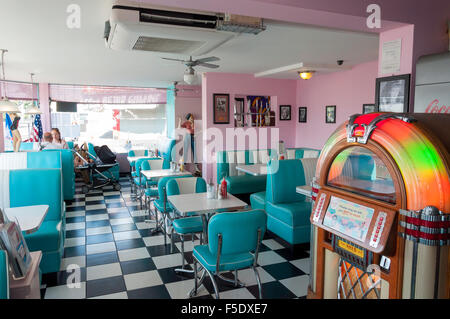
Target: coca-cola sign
x=436 y=107
x=432 y=98
x=433 y=84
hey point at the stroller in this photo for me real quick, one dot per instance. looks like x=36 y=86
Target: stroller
x=105 y=160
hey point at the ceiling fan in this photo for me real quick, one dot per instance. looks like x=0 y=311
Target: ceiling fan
x=189 y=74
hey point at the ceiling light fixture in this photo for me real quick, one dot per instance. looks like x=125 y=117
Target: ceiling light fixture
x=306 y=75
x=34 y=109
x=189 y=75
x=6 y=106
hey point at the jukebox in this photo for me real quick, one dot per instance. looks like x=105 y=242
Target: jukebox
x=381 y=218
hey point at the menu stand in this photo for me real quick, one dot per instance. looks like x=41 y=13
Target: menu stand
x=27 y=287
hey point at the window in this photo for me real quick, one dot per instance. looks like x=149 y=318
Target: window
x=360 y=171
x=25 y=123
x=113 y=124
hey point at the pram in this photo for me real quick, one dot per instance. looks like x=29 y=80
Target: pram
x=100 y=180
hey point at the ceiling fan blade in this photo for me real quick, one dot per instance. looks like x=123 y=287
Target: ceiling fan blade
x=173 y=59
x=208 y=59
x=208 y=65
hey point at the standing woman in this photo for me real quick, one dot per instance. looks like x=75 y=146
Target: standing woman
x=58 y=140
x=17 y=138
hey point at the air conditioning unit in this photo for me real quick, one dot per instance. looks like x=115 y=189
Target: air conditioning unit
x=158 y=29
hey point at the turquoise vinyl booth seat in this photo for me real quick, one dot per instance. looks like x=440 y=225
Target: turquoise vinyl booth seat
x=62 y=159
x=112 y=172
x=258 y=199
x=239 y=182
x=287 y=211
x=42 y=187
x=68 y=172
x=4 y=276
x=29 y=146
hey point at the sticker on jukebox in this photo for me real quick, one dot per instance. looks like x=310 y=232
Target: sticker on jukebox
x=348 y=218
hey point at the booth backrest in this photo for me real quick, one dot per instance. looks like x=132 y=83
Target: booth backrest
x=228 y=160
x=4 y=276
x=297 y=153
x=283 y=178
x=29 y=146
x=68 y=172
x=165 y=149
x=62 y=159
x=29 y=187
x=44 y=160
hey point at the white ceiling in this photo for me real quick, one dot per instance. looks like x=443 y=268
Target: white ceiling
x=38 y=41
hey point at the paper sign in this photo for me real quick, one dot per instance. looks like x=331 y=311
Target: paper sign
x=391 y=57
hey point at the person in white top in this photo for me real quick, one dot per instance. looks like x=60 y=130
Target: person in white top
x=48 y=143
x=58 y=140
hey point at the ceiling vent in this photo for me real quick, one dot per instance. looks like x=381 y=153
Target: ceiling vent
x=180 y=32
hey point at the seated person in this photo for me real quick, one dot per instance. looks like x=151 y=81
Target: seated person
x=58 y=140
x=48 y=143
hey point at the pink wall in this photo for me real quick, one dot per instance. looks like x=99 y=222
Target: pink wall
x=348 y=90
x=44 y=104
x=282 y=92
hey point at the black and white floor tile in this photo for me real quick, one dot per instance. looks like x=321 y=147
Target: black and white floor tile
x=116 y=256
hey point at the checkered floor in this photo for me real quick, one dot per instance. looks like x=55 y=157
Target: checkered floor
x=118 y=257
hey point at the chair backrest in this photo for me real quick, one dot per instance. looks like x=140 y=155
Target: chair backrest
x=188 y=185
x=152 y=163
x=239 y=231
x=138 y=153
x=282 y=179
x=4 y=276
x=162 y=184
x=70 y=144
x=29 y=187
x=138 y=164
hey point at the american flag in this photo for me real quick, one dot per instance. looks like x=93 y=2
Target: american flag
x=36 y=132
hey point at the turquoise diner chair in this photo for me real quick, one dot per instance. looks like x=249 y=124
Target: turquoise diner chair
x=186 y=225
x=233 y=244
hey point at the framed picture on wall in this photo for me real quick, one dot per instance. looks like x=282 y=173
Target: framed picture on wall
x=330 y=114
x=285 y=112
x=221 y=108
x=369 y=108
x=302 y=113
x=392 y=93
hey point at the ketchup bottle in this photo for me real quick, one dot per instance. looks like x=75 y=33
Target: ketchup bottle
x=223 y=188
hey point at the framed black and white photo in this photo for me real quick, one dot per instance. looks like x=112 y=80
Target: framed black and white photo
x=302 y=114
x=330 y=114
x=369 y=108
x=285 y=112
x=221 y=108
x=392 y=93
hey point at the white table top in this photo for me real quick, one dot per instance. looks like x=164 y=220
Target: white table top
x=159 y=173
x=254 y=169
x=304 y=190
x=199 y=203
x=30 y=218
